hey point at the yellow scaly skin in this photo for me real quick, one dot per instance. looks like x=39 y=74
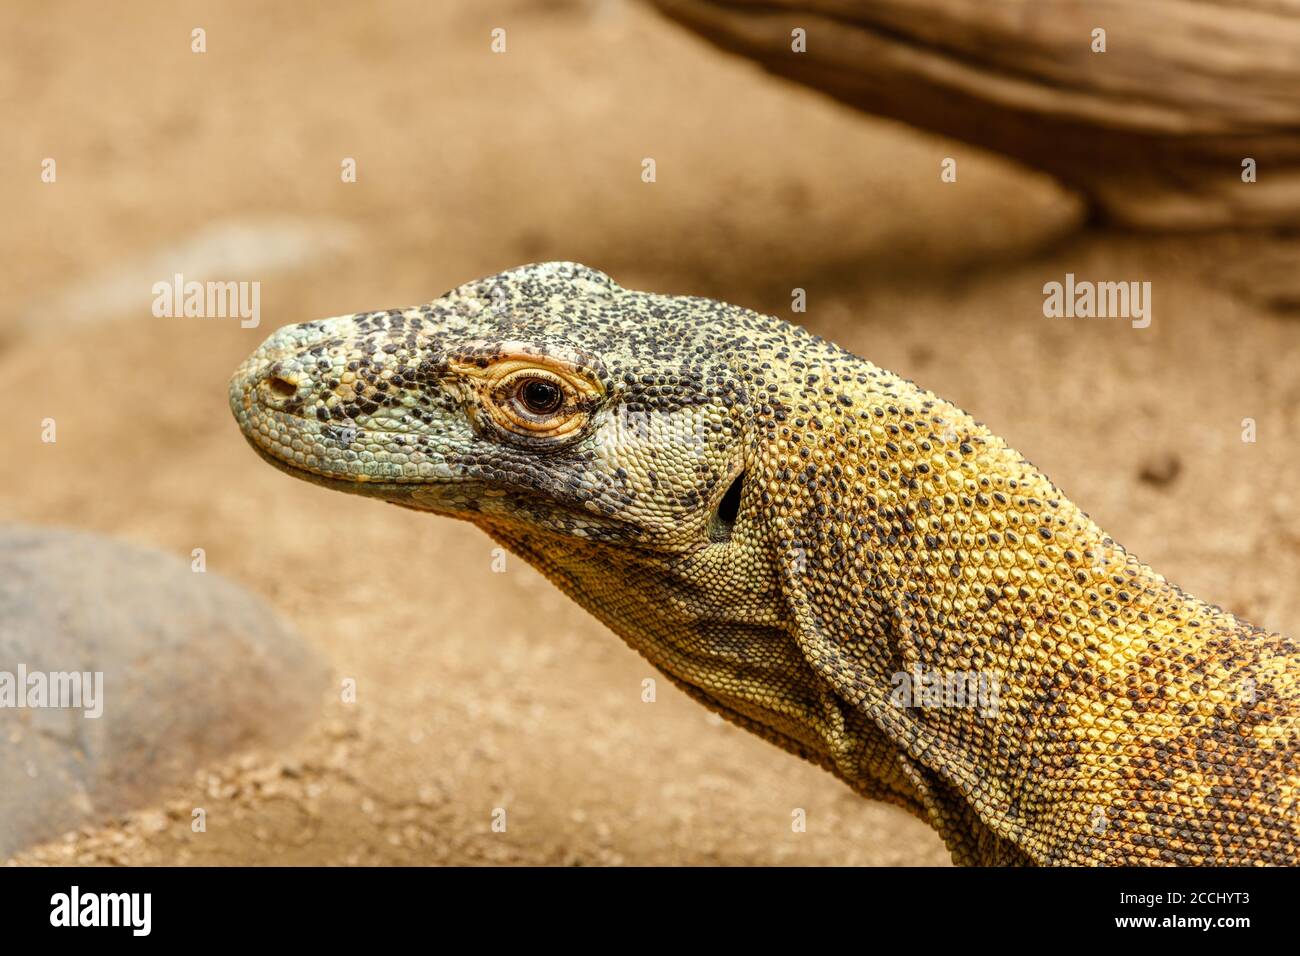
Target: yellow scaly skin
x=810 y=545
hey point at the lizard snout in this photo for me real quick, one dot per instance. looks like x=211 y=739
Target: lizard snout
x=278 y=375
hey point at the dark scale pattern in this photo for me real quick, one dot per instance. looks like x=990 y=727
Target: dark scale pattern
x=879 y=531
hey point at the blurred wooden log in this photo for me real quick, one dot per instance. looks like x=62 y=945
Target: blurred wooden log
x=1155 y=129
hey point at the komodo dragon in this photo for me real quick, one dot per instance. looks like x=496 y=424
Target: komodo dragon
x=817 y=549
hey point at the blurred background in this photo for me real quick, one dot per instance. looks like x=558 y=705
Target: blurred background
x=475 y=689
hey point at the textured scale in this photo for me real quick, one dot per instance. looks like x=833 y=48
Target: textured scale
x=878 y=531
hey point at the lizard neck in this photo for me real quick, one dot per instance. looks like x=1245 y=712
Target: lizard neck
x=1030 y=669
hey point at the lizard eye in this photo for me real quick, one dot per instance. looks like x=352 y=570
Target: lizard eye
x=537 y=402
x=535 y=398
x=539 y=396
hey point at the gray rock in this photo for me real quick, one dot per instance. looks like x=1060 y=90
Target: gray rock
x=193 y=667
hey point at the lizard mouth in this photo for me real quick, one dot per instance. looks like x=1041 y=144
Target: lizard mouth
x=335 y=482
x=456 y=497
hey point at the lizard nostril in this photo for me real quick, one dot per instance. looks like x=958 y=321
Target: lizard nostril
x=282 y=387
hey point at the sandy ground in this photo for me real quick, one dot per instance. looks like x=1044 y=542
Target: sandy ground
x=480 y=690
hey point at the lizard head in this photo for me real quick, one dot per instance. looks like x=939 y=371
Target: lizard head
x=544 y=400
x=607 y=436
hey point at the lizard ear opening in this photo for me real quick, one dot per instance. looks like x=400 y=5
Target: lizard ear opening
x=728 y=509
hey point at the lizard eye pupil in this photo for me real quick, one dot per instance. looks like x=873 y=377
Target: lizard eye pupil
x=540 y=396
